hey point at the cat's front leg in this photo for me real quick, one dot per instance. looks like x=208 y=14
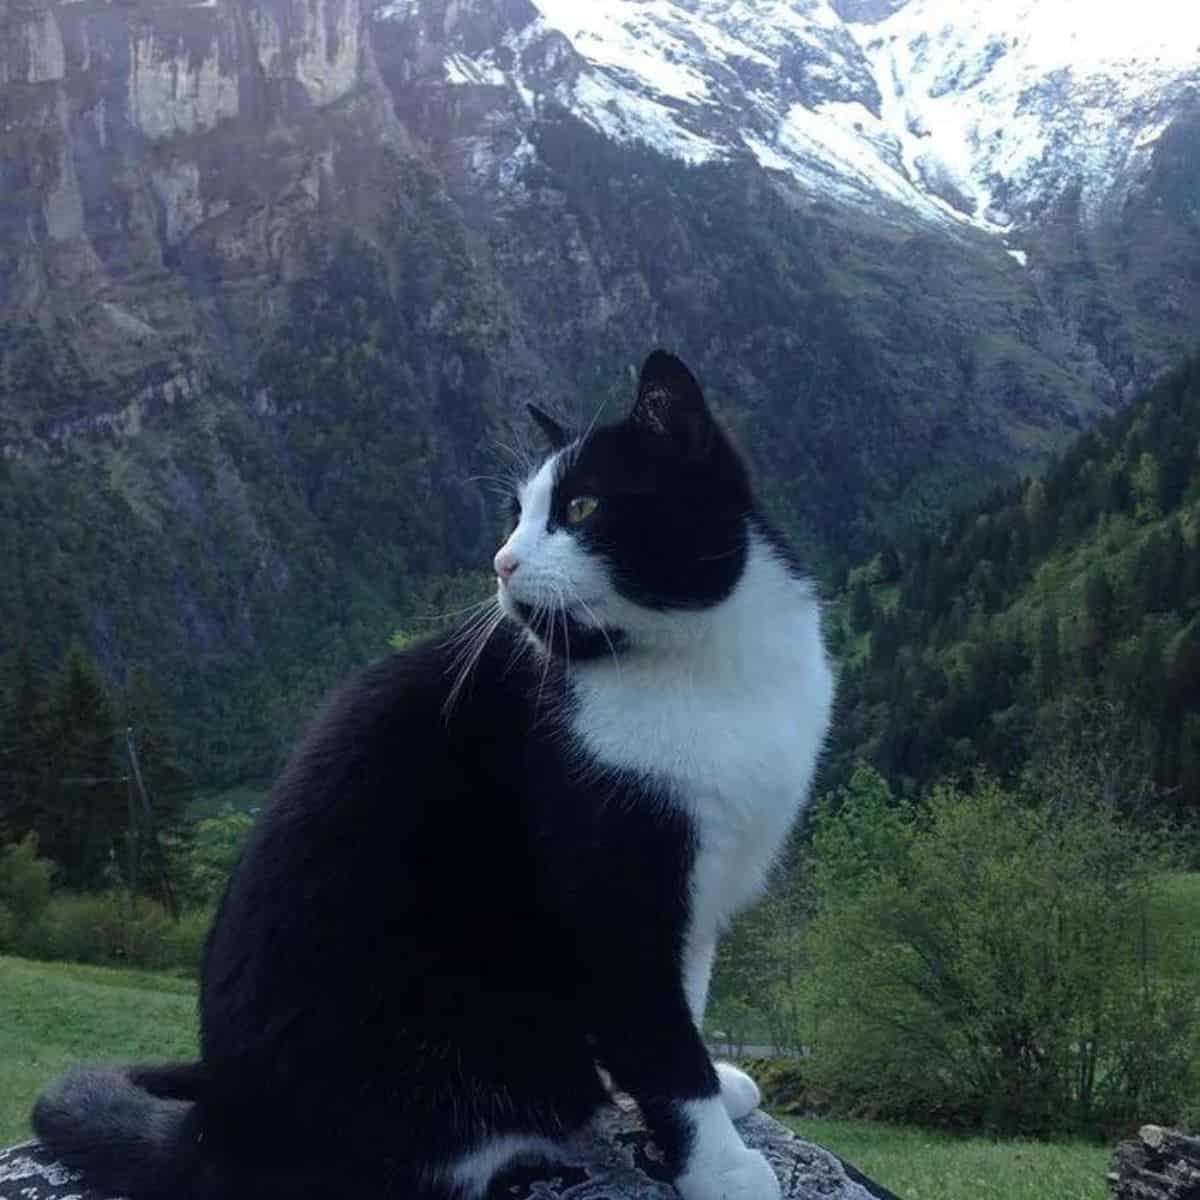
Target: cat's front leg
x=739 y=1093
x=720 y=1166
x=647 y=1039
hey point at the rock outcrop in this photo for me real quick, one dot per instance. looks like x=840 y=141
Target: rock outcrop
x=615 y=1162
x=1160 y=1164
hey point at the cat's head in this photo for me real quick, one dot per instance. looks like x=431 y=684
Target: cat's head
x=619 y=530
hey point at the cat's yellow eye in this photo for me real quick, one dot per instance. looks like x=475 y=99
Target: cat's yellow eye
x=581 y=508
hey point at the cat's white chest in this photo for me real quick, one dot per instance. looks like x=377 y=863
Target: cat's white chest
x=732 y=733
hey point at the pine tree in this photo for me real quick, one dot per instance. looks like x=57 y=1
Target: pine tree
x=839 y=573
x=1101 y=609
x=1174 y=566
x=22 y=757
x=1175 y=471
x=1184 y=674
x=1040 y=517
x=1187 y=806
x=1151 y=571
x=1191 y=572
x=83 y=809
x=862 y=612
x=1049 y=653
x=885 y=641
x=1145 y=685
x=1145 y=482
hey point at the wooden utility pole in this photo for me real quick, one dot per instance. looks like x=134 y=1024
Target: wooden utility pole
x=135 y=772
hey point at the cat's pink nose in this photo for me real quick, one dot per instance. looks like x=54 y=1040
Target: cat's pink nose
x=506 y=564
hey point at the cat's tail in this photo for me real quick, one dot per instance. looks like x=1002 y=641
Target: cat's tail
x=130 y=1131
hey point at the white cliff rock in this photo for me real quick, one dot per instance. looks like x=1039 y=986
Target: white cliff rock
x=173 y=91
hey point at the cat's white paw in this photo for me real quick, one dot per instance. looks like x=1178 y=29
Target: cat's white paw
x=745 y=1175
x=739 y=1093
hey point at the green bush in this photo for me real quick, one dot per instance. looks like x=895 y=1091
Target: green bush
x=983 y=960
x=183 y=941
x=204 y=862
x=24 y=888
x=72 y=928
x=110 y=928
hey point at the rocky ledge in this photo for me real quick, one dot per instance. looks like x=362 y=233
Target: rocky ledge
x=616 y=1161
x=1159 y=1164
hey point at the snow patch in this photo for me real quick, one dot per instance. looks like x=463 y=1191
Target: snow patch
x=622 y=39
x=767 y=155
x=626 y=116
x=976 y=112
x=1025 y=97
x=397 y=10
x=478 y=71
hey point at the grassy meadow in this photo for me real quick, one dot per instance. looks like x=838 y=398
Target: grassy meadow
x=56 y=1014
x=918 y=1164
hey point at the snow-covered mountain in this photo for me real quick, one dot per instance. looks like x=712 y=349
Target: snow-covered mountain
x=985 y=112
x=276 y=276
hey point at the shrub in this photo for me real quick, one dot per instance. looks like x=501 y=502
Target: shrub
x=73 y=928
x=111 y=928
x=183 y=941
x=981 y=959
x=210 y=854
x=24 y=888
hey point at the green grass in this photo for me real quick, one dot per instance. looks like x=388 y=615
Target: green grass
x=55 y=1014
x=918 y=1165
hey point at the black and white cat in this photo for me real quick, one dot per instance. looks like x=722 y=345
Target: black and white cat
x=500 y=860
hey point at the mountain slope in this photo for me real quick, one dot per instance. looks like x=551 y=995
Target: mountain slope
x=986 y=111
x=1056 y=130
x=1066 y=608
x=276 y=278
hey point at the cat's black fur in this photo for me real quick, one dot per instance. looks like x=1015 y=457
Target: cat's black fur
x=446 y=916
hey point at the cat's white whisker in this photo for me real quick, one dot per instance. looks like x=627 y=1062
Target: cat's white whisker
x=469 y=653
x=464 y=649
x=466 y=631
x=587 y=433
x=488 y=602
x=548 y=612
x=522 y=457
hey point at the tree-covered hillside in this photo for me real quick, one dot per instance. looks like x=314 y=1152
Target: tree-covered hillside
x=251 y=543
x=260 y=348
x=255 y=525
x=1065 y=609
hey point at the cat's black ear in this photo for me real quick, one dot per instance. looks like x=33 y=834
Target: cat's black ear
x=670 y=402
x=556 y=435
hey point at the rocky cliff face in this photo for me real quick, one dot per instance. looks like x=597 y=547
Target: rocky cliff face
x=149 y=152
x=165 y=165
x=275 y=274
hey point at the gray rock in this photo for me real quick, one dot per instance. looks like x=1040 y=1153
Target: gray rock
x=615 y=1161
x=1159 y=1164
